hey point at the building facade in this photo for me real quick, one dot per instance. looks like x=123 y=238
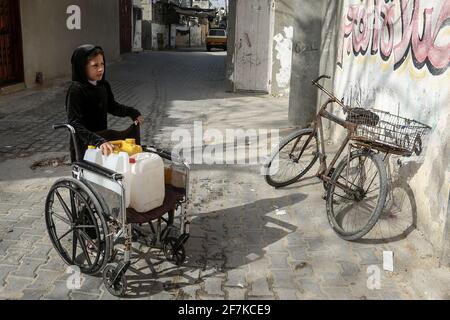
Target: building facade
x=41 y=36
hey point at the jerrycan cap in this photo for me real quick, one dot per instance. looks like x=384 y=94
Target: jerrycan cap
x=91 y=147
x=132 y=160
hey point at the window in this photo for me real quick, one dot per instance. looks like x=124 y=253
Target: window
x=217 y=33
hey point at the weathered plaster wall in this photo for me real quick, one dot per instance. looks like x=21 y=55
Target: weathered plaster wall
x=195 y=36
x=251 y=24
x=47 y=42
x=159 y=28
x=395 y=56
x=282 y=47
x=231 y=38
x=305 y=60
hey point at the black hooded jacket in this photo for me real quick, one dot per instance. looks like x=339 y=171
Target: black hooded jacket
x=87 y=105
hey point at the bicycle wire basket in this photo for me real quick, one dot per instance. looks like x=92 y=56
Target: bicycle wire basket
x=387 y=132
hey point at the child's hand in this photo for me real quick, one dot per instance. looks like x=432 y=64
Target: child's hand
x=139 y=120
x=107 y=148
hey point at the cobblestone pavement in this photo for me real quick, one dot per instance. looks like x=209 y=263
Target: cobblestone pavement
x=249 y=241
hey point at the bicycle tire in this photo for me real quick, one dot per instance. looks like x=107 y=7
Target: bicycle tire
x=283 y=144
x=378 y=209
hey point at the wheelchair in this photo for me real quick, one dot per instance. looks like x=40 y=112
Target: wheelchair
x=88 y=235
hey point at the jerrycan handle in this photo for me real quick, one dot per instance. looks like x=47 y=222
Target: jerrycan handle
x=117 y=145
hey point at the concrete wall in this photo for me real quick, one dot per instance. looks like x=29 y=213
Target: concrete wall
x=253 y=32
x=137 y=26
x=204 y=33
x=159 y=28
x=231 y=38
x=285 y=16
x=196 y=36
x=305 y=60
x=147 y=35
x=446 y=245
x=182 y=40
x=47 y=42
x=147 y=10
x=380 y=56
x=173 y=35
x=203 y=4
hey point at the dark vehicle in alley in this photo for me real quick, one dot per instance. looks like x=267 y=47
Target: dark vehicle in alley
x=216 y=38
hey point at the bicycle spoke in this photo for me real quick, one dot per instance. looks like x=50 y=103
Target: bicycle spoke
x=376 y=189
x=371 y=182
x=342 y=196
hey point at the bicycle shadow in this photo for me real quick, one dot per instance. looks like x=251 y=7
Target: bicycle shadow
x=399 y=216
x=229 y=238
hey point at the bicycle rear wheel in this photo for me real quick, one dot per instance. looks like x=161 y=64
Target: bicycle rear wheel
x=285 y=167
x=356 y=194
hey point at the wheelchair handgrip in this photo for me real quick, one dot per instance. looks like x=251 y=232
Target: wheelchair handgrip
x=59 y=126
x=162 y=153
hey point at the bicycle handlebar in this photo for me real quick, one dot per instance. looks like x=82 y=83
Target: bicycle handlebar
x=333 y=98
x=320 y=78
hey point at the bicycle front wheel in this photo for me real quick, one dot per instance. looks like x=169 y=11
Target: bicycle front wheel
x=356 y=194
x=287 y=164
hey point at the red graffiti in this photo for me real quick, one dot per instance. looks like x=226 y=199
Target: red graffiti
x=360 y=28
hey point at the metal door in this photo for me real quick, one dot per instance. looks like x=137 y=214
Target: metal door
x=254 y=33
x=11 y=59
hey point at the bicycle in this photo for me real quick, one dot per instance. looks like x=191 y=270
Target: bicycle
x=356 y=189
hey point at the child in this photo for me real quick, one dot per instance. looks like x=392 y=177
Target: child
x=89 y=100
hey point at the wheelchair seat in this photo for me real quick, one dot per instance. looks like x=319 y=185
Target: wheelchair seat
x=172 y=198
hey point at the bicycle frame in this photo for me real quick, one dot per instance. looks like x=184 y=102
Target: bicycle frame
x=324 y=170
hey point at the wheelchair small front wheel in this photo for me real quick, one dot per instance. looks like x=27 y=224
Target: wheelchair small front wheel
x=116 y=284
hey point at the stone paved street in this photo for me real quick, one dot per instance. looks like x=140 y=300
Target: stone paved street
x=248 y=240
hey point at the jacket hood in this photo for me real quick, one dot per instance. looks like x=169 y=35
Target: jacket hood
x=79 y=62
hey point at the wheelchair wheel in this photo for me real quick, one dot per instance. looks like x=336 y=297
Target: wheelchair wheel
x=76 y=225
x=115 y=284
x=174 y=250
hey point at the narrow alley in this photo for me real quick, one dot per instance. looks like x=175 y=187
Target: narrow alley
x=248 y=240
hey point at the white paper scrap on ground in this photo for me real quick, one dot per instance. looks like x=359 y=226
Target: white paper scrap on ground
x=388 y=261
x=279 y=212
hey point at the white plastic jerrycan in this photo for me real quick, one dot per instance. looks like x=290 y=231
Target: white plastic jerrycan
x=148 y=190
x=120 y=163
x=117 y=162
x=94 y=155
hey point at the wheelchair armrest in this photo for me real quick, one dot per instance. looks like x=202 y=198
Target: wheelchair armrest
x=165 y=154
x=95 y=168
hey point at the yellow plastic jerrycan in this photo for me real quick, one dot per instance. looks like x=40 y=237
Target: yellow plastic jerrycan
x=129 y=146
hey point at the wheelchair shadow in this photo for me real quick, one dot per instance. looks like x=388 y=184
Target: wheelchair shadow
x=399 y=216
x=222 y=240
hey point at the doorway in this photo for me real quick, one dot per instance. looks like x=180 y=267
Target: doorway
x=125 y=7
x=11 y=55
